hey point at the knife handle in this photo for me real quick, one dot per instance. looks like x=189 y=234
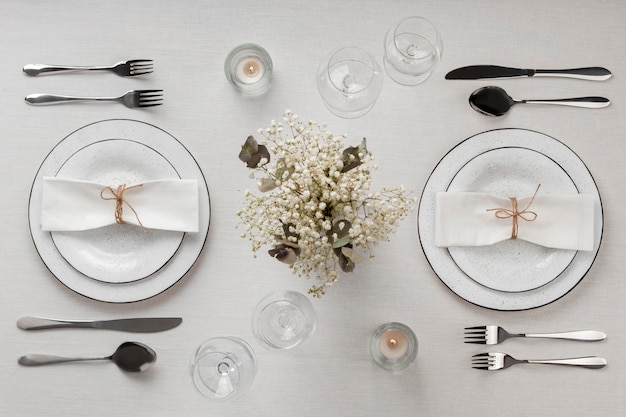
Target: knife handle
x=587 y=73
x=37 y=323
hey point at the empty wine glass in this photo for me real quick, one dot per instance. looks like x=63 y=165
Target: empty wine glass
x=283 y=320
x=413 y=48
x=349 y=81
x=223 y=367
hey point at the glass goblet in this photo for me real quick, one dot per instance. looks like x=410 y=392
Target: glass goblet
x=223 y=367
x=413 y=48
x=283 y=320
x=349 y=81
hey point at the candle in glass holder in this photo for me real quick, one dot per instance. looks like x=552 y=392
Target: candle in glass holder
x=393 y=346
x=248 y=68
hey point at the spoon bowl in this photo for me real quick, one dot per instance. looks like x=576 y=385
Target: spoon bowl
x=129 y=357
x=494 y=101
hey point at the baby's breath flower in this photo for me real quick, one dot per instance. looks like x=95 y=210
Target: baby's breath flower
x=319 y=201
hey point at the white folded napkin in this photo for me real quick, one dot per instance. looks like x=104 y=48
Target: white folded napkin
x=73 y=205
x=476 y=219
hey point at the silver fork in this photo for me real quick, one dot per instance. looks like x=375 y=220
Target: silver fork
x=132 y=99
x=492 y=361
x=129 y=68
x=492 y=335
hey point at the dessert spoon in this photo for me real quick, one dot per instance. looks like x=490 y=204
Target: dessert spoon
x=129 y=356
x=494 y=101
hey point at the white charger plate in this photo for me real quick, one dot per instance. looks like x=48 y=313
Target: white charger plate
x=512 y=265
x=192 y=243
x=445 y=266
x=117 y=253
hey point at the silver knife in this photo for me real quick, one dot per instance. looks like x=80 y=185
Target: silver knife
x=475 y=72
x=139 y=325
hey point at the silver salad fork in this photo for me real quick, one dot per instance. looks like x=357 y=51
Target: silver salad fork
x=129 y=68
x=132 y=99
x=492 y=335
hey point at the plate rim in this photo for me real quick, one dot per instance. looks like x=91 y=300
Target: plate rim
x=504 y=305
x=197 y=242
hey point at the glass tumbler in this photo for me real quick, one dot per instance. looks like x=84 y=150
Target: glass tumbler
x=223 y=368
x=413 y=48
x=283 y=320
x=349 y=81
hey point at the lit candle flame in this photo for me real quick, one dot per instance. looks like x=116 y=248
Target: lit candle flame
x=393 y=342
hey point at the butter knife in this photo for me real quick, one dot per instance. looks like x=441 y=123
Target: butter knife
x=139 y=325
x=475 y=72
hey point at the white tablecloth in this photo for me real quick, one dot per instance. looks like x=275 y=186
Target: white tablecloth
x=408 y=131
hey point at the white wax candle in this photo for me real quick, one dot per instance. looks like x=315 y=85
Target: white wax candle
x=249 y=70
x=393 y=344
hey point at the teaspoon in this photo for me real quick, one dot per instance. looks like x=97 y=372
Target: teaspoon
x=129 y=356
x=494 y=101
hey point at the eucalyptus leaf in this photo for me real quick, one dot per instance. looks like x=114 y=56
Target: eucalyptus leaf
x=351 y=158
x=341 y=242
x=261 y=153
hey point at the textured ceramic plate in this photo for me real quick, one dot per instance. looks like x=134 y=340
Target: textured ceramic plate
x=512 y=265
x=442 y=262
x=182 y=162
x=117 y=253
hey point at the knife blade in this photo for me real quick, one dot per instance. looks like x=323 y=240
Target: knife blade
x=475 y=72
x=138 y=325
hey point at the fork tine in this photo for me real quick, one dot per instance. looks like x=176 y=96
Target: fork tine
x=150 y=98
x=476 y=335
x=135 y=61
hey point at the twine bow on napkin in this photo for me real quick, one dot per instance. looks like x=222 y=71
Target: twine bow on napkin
x=563 y=221
x=75 y=205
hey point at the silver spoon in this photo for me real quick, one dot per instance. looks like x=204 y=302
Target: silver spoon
x=129 y=356
x=494 y=101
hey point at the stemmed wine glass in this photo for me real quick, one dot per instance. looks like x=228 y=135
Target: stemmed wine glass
x=413 y=48
x=283 y=320
x=223 y=367
x=349 y=81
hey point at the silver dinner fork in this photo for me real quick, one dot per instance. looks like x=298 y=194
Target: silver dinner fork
x=492 y=335
x=493 y=361
x=129 y=68
x=132 y=99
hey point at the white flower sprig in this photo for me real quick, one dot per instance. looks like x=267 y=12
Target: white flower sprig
x=314 y=207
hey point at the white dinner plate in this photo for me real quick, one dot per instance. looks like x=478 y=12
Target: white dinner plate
x=183 y=163
x=443 y=175
x=117 y=253
x=512 y=265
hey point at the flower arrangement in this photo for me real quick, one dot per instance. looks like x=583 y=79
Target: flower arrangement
x=314 y=206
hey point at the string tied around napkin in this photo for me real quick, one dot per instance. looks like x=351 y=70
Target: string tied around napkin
x=514 y=214
x=118 y=196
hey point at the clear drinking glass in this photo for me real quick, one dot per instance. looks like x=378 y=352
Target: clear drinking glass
x=413 y=48
x=349 y=81
x=283 y=320
x=223 y=368
x=393 y=346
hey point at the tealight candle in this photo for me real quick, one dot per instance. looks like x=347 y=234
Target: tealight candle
x=248 y=68
x=393 y=346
